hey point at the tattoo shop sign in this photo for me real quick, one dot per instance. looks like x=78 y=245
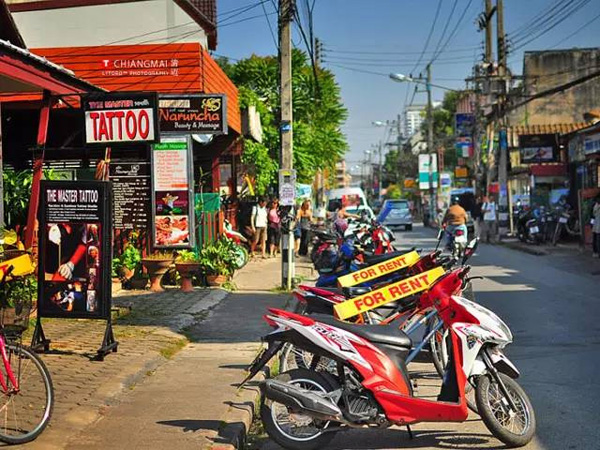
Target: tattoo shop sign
x=387 y=294
x=378 y=270
x=193 y=114
x=120 y=117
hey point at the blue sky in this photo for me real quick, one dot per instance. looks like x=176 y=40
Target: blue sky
x=358 y=33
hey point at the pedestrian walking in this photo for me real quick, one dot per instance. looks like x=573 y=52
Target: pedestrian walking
x=596 y=227
x=274 y=230
x=490 y=217
x=259 y=222
x=304 y=218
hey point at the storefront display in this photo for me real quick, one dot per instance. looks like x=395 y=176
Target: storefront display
x=172 y=190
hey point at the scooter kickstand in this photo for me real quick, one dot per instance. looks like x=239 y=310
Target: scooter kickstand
x=410 y=433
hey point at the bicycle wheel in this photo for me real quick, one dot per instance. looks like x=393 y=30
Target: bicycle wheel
x=25 y=413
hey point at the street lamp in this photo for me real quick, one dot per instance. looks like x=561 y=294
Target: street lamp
x=398 y=77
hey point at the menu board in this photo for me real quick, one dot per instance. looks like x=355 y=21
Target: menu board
x=131 y=194
x=172 y=189
x=75 y=249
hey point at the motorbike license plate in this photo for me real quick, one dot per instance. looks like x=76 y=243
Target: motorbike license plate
x=563 y=220
x=534 y=230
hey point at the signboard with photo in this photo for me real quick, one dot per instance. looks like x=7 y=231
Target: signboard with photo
x=172 y=189
x=75 y=249
x=464 y=124
x=538 y=148
x=120 y=117
x=193 y=114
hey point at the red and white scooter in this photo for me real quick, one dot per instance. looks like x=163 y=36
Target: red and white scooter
x=303 y=408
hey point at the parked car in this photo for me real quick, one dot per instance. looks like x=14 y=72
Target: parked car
x=396 y=213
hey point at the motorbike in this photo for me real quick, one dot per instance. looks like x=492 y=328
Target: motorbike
x=303 y=408
x=568 y=221
x=457 y=241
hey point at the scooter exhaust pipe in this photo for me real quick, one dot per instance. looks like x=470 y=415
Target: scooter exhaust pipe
x=300 y=400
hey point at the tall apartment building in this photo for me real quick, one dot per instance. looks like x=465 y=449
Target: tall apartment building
x=412 y=119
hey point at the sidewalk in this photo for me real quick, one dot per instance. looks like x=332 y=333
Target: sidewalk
x=148 y=336
x=192 y=401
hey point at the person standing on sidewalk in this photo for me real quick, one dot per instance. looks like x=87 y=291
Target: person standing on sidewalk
x=304 y=218
x=274 y=230
x=489 y=228
x=596 y=227
x=477 y=216
x=259 y=223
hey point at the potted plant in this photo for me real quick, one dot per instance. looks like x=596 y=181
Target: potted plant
x=157 y=265
x=130 y=261
x=217 y=260
x=187 y=265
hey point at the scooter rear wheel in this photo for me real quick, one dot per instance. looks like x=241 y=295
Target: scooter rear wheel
x=514 y=428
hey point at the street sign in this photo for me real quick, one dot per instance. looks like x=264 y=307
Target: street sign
x=287 y=187
x=424 y=161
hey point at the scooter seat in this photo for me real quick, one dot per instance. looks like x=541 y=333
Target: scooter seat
x=355 y=291
x=375 y=259
x=377 y=334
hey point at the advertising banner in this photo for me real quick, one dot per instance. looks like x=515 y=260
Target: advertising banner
x=591 y=144
x=378 y=270
x=387 y=294
x=194 y=114
x=131 y=194
x=538 y=148
x=172 y=194
x=75 y=249
x=464 y=124
x=424 y=161
x=120 y=117
x=464 y=147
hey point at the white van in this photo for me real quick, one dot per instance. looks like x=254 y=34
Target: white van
x=353 y=198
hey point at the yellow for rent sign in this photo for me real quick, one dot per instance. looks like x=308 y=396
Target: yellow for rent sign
x=387 y=294
x=378 y=270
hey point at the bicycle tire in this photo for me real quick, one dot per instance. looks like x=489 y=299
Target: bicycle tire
x=26 y=353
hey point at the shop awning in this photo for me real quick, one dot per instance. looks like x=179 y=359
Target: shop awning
x=22 y=72
x=548 y=170
x=514 y=132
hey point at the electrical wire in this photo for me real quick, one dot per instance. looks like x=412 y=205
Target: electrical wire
x=246 y=19
x=439 y=43
x=453 y=33
x=541 y=30
x=577 y=31
x=233 y=13
x=269 y=24
x=435 y=18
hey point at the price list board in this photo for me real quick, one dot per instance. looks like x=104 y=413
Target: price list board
x=131 y=194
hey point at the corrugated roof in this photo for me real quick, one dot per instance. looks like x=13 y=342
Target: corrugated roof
x=513 y=133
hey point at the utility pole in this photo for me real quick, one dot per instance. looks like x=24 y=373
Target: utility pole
x=430 y=150
x=503 y=203
x=286 y=10
x=489 y=11
x=380 y=175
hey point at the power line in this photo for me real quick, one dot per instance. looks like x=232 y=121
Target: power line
x=397 y=64
x=454 y=30
x=236 y=12
x=435 y=18
x=247 y=19
x=577 y=31
x=269 y=23
x=445 y=28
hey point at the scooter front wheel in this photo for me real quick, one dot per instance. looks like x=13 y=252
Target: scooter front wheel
x=515 y=428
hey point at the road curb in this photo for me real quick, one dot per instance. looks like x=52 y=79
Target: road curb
x=242 y=411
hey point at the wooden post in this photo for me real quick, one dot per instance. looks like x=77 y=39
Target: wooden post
x=38 y=163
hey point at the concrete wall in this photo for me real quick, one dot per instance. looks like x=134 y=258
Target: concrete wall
x=103 y=24
x=547 y=69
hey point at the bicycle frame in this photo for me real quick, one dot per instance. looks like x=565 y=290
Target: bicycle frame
x=8 y=368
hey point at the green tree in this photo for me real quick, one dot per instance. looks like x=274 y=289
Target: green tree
x=318 y=115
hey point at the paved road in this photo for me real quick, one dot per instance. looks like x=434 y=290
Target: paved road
x=552 y=304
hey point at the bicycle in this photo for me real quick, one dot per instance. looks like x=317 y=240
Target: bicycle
x=26 y=391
